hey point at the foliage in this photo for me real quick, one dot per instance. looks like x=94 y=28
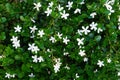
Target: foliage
x=59 y=39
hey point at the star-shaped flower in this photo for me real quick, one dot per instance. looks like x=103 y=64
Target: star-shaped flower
x=33 y=29
x=31 y=75
x=37 y=5
x=16 y=44
x=82 y=53
x=18 y=28
x=93 y=26
x=69 y=5
x=66 y=40
x=59 y=35
x=64 y=15
x=48 y=11
x=41 y=33
x=50 y=4
x=33 y=48
x=59 y=8
x=40 y=59
x=80 y=41
x=52 y=39
x=93 y=14
x=99 y=30
x=14 y=38
x=100 y=63
x=108 y=60
x=85 y=30
x=77 y=11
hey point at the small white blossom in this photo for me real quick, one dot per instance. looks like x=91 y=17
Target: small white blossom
x=59 y=35
x=18 y=28
x=65 y=53
x=59 y=8
x=52 y=39
x=50 y=4
x=77 y=11
x=93 y=14
x=64 y=15
x=48 y=11
x=80 y=41
x=33 y=29
x=76 y=75
x=41 y=33
x=82 y=53
x=100 y=63
x=33 y=48
x=57 y=65
x=69 y=6
x=85 y=30
x=66 y=67
x=85 y=59
x=14 y=38
x=99 y=30
x=82 y=2
x=35 y=58
x=31 y=75
x=108 y=60
x=118 y=74
x=8 y=76
x=93 y=26
x=37 y=5
x=16 y=44
x=40 y=59
x=66 y=40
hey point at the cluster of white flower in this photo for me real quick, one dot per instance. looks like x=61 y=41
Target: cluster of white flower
x=15 y=42
x=109 y=7
x=37 y=59
x=33 y=48
x=9 y=76
x=57 y=65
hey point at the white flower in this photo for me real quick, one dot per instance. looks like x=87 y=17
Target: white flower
x=37 y=5
x=118 y=74
x=85 y=59
x=35 y=59
x=82 y=53
x=57 y=65
x=48 y=11
x=31 y=75
x=82 y=2
x=50 y=4
x=41 y=33
x=33 y=29
x=59 y=35
x=59 y=8
x=85 y=30
x=93 y=14
x=108 y=60
x=16 y=44
x=93 y=26
x=65 y=53
x=76 y=75
x=66 y=40
x=69 y=6
x=52 y=39
x=18 y=28
x=13 y=76
x=7 y=75
x=100 y=63
x=80 y=41
x=40 y=59
x=66 y=67
x=99 y=30
x=64 y=15
x=14 y=38
x=77 y=11
x=33 y=48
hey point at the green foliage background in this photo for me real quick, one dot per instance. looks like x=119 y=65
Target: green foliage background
x=98 y=46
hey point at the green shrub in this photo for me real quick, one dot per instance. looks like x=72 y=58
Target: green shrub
x=59 y=39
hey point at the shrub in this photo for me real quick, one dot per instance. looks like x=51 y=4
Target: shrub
x=59 y=39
